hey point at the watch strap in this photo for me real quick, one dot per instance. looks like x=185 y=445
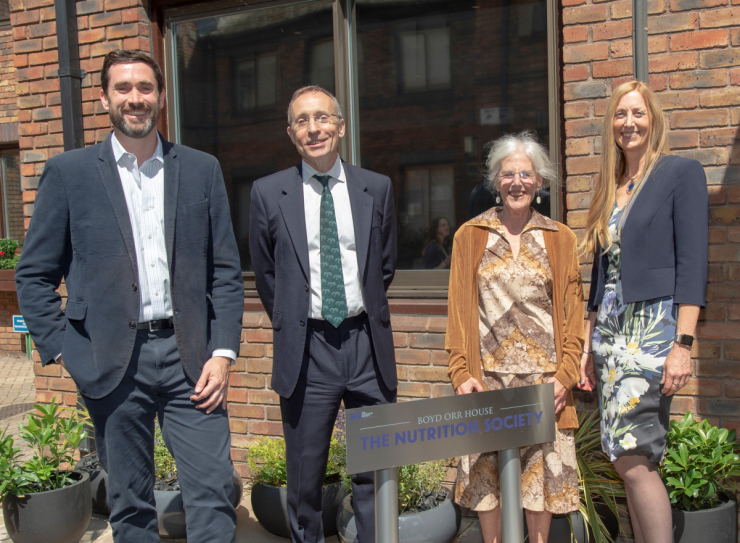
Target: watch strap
x=684 y=339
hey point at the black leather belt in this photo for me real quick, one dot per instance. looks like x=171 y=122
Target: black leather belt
x=350 y=322
x=153 y=326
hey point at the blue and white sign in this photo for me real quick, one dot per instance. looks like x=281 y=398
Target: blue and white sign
x=385 y=436
x=19 y=325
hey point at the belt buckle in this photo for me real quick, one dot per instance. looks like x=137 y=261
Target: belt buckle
x=150 y=326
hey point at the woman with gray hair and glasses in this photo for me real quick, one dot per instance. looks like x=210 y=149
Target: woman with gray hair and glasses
x=516 y=319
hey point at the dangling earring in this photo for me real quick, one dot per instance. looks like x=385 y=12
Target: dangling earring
x=539 y=200
x=498 y=199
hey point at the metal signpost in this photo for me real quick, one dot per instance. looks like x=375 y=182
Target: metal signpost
x=382 y=437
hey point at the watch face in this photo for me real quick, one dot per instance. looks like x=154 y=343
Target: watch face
x=685 y=339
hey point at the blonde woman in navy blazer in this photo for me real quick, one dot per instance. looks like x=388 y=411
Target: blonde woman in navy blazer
x=648 y=232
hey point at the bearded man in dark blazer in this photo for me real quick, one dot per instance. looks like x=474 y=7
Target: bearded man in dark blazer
x=323 y=244
x=140 y=230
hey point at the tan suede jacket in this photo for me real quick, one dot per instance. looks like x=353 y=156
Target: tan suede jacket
x=463 y=342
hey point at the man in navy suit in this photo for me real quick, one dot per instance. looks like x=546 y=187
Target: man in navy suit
x=140 y=230
x=323 y=243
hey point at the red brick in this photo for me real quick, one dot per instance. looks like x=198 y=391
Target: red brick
x=719 y=330
x=86 y=7
x=132 y=15
x=579 y=200
x=584 y=14
x=266 y=428
x=721 y=58
x=437 y=324
x=719 y=408
x=122 y=31
x=735 y=76
x=733 y=311
x=427 y=341
x=15 y=5
x=243 y=380
x=585 y=52
x=576 y=110
x=702 y=387
x=137 y=44
x=434 y=374
x=439 y=391
x=574 y=34
x=673 y=62
x=400 y=339
x=683 y=5
x=91 y=36
x=699 y=79
x=581 y=165
x=578 y=184
x=102 y=49
x=43 y=29
x=32 y=129
x=105 y=19
x=672 y=23
x=259 y=366
x=53 y=140
x=47 y=57
x=24 y=18
x=415 y=356
x=27 y=102
x=264 y=397
x=612 y=68
x=62 y=385
x=402 y=373
x=246 y=411
x=725 y=216
x=683 y=139
x=237 y=395
x=408 y=324
x=708 y=157
x=45 y=85
x=27 y=46
x=705 y=349
x=415 y=390
x=699 y=39
x=259 y=335
x=732 y=352
x=719 y=17
x=237 y=426
x=720 y=97
x=440 y=358
x=699 y=119
x=577 y=146
x=575 y=72
x=682 y=404
x=252 y=350
x=611 y=30
x=41 y=383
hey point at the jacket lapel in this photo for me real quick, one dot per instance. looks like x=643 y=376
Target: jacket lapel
x=171 y=189
x=362 y=214
x=112 y=182
x=294 y=215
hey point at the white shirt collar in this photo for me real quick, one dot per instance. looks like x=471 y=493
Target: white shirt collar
x=119 y=151
x=336 y=171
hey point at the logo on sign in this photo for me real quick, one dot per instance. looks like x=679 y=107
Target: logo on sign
x=361 y=415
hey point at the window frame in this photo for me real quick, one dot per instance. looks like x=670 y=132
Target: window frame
x=429 y=284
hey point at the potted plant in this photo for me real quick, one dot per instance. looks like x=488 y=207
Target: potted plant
x=266 y=460
x=41 y=500
x=698 y=472
x=426 y=511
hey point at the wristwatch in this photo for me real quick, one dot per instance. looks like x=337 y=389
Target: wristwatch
x=684 y=339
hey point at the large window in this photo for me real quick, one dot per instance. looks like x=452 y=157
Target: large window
x=424 y=85
x=11 y=212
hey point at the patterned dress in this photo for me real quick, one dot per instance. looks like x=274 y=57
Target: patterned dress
x=630 y=343
x=517 y=347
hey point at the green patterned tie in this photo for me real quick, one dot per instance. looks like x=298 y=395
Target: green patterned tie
x=333 y=298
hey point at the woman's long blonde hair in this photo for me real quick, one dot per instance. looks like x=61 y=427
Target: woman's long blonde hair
x=613 y=166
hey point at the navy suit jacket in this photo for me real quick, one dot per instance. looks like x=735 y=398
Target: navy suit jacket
x=81 y=232
x=278 y=244
x=665 y=238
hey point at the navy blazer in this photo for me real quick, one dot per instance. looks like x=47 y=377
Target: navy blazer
x=278 y=244
x=81 y=232
x=665 y=238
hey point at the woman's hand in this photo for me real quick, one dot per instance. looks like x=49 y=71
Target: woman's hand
x=676 y=370
x=588 y=375
x=561 y=395
x=471 y=385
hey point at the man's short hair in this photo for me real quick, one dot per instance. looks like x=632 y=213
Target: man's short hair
x=314 y=88
x=123 y=56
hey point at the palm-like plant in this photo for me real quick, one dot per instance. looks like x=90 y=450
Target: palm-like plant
x=598 y=481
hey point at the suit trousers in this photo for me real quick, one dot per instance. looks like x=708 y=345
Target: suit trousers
x=155 y=384
x=338 y=365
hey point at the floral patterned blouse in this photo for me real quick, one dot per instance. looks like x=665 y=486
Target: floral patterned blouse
x=515 y=299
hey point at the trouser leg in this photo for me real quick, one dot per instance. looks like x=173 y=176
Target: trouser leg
x=308 y=421
x=201 y=445
x=124 y=434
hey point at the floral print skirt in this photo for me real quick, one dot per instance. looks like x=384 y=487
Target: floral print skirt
x=630 y=344
x=549 y=470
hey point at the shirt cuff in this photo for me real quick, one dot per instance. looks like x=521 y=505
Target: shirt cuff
x=226 y=353
x=57 y=357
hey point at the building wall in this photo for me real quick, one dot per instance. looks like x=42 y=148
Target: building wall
x=695 y=68
x=9 y=341
x=694 y=64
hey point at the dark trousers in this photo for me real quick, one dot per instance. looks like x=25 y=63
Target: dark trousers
x=338 y=364
x=155 y=384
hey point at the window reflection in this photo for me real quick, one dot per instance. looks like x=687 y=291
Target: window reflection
x=442 y=79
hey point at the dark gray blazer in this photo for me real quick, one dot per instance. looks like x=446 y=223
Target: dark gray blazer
x=665 y=238
x=278 y=245
x=81 y=232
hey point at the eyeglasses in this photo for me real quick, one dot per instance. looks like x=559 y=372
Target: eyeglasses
x=523 y=176
x=302 y=122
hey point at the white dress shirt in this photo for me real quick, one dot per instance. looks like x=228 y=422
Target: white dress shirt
x=143 y=188
x=312 y=189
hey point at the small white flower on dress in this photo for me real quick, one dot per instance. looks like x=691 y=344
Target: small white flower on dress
x=629 y=442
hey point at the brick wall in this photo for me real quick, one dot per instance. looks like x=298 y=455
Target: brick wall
x=9 y=341
x=694 y=68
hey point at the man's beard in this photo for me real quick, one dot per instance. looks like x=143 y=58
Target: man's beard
x=138 y=130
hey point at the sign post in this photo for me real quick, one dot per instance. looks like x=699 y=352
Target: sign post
x=382 y=437
x=19 y=326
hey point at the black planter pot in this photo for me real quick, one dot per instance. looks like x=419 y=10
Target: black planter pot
x=437 y=525
x=98 y=482
x=560 y=530
x=171 y=510
x=61 y=515
x=718 y=525
x=270 y=506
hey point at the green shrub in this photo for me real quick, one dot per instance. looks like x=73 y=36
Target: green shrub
x=700 y=465
x=53 y=438
x=416 y=479
x=164 y=464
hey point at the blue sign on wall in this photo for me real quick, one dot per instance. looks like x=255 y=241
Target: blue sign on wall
x=19 y=325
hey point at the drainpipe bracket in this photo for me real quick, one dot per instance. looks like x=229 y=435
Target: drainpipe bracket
x=71 y=72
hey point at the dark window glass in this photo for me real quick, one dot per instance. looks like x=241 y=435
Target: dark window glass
x=235 y=75
x=441 y=79
x=12 y=210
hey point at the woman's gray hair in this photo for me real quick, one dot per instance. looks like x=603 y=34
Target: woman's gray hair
x=526 y=141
